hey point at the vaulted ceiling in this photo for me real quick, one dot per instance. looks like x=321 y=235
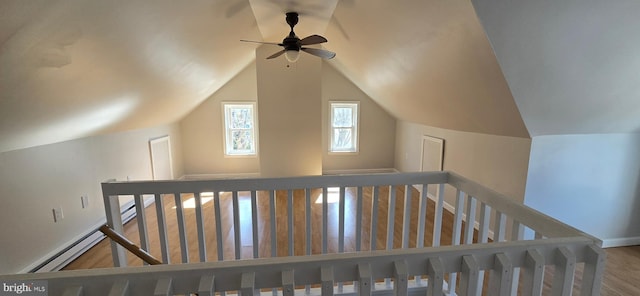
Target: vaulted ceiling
x=74 y=68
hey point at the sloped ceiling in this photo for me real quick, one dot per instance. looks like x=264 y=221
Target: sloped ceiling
x=427 y=62
x=573 y=66
x=74 y=68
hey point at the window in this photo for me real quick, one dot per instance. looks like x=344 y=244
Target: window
x=239 y=126
x=344 y=127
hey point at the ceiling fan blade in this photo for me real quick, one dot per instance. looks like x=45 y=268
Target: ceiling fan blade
x=275 y=55
x=325 y=54
x=313 y=39
x=261 y=42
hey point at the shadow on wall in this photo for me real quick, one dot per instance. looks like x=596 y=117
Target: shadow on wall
x=633 y=226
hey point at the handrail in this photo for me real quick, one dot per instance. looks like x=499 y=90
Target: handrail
x=123 y=241
x=172 y=186
x=542 y=223
x=208 y=278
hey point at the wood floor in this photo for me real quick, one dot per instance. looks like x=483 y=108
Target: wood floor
x=622 y=274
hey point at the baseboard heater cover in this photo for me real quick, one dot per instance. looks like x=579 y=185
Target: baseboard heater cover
x=77 y=248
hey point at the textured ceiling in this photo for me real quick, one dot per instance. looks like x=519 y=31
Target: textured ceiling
x=74 y=68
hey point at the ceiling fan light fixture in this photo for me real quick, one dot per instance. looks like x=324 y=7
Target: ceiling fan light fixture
x=292 y=55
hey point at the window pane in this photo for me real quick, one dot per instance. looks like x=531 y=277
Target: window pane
x=239 y=128
x=241 y=140
x=342 y=139
x=241 y=118
x=342 y=117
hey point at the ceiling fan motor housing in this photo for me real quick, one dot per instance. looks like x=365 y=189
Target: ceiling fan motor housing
x=292 y=19
x=292 y=43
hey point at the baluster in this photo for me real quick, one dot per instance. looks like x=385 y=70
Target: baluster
x=517 y=234
x=406 y=218
x=401 y=278
x=141 y=218
x=593 y=270
x=219 y=238
x=457 y=218
x=501 y=275
x=485 y=218
x=202 y=244
x=307 y=212
x=326 y=277
x=325 y=219
x=359 y=220
x=164 y=287
x=114 y=219
x=254 y=223
x=532 y=273
x=517 y=231
x=471 y=220
x=272 y=216
x=470 y=276
x=341 y=220
x=437 y=220
x=119 y=288
x=288 y=285
x=374 y=218
x=483 y=235
x=565 y=263
x=274 y=235
x=435 y=271
x=206 y=286
x=236 y=224
x=422 y=215
x=247 y=284
x=457 y=233
x=308 y=219
x=182 y=233
x=364 y=279
x=162 y=229
x=290 y=220
x=500 y=227
x=391 y=214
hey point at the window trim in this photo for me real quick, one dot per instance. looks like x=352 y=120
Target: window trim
x=226 y=131
x=356 y=126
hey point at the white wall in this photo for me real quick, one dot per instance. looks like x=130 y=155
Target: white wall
x=203 y=131
x=289 y=114
x=35 y=180
x=591 y=182
x=377 y=127
x=497 y=162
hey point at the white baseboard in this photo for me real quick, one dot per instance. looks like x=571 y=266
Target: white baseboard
x=360 y=171
x=621 y=242
x=59 y=258
x=218 y=176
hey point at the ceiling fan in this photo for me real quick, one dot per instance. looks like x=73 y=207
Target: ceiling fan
x=293 y=45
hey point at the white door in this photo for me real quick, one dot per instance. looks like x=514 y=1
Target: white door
x=161 y=167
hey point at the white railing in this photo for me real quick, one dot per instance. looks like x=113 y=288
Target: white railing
x=366 y=268
x=500 y=226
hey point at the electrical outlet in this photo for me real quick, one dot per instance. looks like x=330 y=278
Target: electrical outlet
x=58 y=215
x=85 y=201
